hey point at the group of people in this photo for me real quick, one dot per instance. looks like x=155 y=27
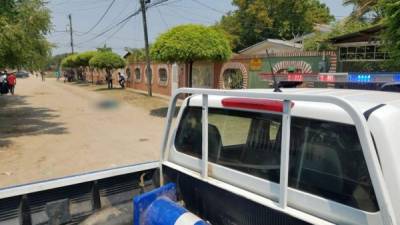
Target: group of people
x=7 y=82
x=121 y=80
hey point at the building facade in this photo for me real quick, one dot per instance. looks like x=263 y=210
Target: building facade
x=360 y=51
x=241 y=71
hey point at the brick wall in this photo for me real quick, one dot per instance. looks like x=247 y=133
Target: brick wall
x=241 y=62
x=158 y=86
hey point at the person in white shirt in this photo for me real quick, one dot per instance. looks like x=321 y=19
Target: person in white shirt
x=3 y=77
x=3 y=83
x=121 y=79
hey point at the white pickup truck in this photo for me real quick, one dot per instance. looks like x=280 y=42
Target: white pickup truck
x=248 y=157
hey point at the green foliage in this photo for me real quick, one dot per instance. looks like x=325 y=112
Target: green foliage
x=70 y=61
x=391 y=35
x=106 y=60
x=233 y=79
x=23 y=26
x=362 y=8
x=320 y=41
x=55 y=61
x=256 y=20
x=83 y=58
x=104 y=49
x=230 y=26
x=136 y=55
x=189 y=43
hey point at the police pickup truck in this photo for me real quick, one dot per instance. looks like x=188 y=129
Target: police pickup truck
x=248 y=157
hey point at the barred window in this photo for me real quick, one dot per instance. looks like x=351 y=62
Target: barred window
x=137 y=74
x=163 y=76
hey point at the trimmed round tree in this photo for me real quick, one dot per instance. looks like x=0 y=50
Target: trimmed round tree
x=83 y=59
x=107 y=60
x=190 y=43
x=69 y=63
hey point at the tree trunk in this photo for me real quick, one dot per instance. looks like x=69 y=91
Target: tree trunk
x=91 y=73
x=149 y=78
x=109 y=78
x=190 y=80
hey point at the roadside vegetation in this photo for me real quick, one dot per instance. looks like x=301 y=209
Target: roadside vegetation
x=255 y=20
x=190 y=43
x=23 y=26
x=78 y=64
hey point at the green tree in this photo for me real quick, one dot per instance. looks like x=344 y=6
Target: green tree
x=55 y=61
x=69 y=64
x=136 y=55
x=82 y=61
x=256 y=20
x=361 y=8
x=70 y=61
x=108 y=61
x=104 y=49
x=320 y=41
x=23 y=26
x=391 y=34
x=190 y=43
x=230 y=25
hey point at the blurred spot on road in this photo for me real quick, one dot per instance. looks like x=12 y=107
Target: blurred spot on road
x=108 y=104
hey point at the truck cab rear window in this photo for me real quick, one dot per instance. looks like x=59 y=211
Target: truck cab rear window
x=240 y=140
x=326 y=158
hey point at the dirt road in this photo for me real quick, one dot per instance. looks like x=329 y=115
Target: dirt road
x=50 y=129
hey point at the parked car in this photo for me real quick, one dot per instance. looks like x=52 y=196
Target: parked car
x=21 y=74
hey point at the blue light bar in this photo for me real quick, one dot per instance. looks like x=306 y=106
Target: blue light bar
x=396 y=77
x=360 y=78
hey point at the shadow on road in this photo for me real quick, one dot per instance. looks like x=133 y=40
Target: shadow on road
x=115 y=88
x=18 y=118
x=81 y=83
x=162 y=112
x=5 y=143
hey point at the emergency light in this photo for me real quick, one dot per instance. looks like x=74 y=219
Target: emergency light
x=361 y=78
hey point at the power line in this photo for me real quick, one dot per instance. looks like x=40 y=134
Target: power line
x=167 y=3
x=69 y=2
x=111 y=27
x=208 y=7
x=162 y=18
x=101 y=18
x=116 y=31
x=195 y=20
x=122 y=21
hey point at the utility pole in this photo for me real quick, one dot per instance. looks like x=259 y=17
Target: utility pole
x=146 y=43
x=276 y=84
x=70 y=31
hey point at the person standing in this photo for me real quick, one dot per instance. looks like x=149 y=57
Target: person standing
x=3 y=83
x=42 y=74
x=11 y=82
x=109 y=80
x=58 y=75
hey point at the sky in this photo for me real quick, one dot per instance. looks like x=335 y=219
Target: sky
x=86 y=13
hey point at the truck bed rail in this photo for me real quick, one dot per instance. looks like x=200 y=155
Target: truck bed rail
x=360 y=123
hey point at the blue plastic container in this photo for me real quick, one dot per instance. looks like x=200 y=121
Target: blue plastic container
x=159 y=207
